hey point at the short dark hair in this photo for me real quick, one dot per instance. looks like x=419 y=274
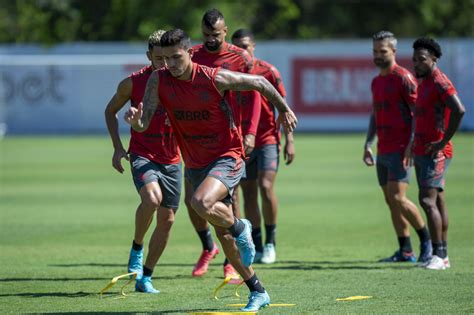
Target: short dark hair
x=154 y=39
x=176 y=37
x=241 y=33
x=429 y=44
x=385 y=35
x=211 y=17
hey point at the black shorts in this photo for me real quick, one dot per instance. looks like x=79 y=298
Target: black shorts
x=390 y=169
x=264 y=158
x=168 y=176
x=431 y=172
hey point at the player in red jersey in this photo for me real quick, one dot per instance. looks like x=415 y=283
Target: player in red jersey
x=155 y=165
x=216 y=52
x=210 y=141
x=438 y=114
x=394 y=97
x=262 y=166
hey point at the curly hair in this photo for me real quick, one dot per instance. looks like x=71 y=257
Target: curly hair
x=429 y=44
x=154 y=39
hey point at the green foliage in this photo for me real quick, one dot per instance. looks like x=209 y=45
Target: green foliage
x=54 y=21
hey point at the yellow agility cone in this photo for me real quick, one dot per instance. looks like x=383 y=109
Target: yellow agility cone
x=132 y=276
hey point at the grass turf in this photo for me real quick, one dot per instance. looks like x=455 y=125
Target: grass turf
x=66 y=225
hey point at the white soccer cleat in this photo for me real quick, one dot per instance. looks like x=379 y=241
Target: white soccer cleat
x=269 y=254
x=436 y=263
x=447 y=264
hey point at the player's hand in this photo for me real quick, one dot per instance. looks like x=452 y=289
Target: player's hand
x=368 y=157
x=288 y=120
x=249 y=143
x=434 y=147
x=133 y=115
x=119 y=154
x=289 y=152
x=408 y=157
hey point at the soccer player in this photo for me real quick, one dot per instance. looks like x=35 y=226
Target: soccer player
x=262 y=166
x=155 y=164
x=216 y=52
x=203 y=120
x=394 y=97
x=438 y=114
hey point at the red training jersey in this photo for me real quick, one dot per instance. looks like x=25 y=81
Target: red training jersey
x=432 y=115
x=268 y=131
x=234 y=58
x=392 y=96
x=202 y=119
x=157 y=143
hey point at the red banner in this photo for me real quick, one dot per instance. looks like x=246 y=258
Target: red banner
x=334 y=85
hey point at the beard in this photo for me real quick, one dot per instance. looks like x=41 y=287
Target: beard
x=213 y=46
x=381 y=63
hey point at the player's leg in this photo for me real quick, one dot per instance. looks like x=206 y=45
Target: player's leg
x=400 y=224
x=430 y=174
x=145 y=178
x=209 y=248
x=170 y=177
x=267 y=165
x=229 y=270
x=441 y=203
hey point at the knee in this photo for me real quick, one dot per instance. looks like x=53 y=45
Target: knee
x=266 y=188
x=428 y=204
x=397 y=199
x=201 y=204
x=167 y=223
x=151 y=200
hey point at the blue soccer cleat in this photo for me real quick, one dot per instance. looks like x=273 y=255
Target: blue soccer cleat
x=426 y=252
x=399 y=256
x=144 y=285
x=245 y=244
x=135 y=262
x=257 y=301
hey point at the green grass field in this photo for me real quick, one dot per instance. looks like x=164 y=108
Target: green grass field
x=66 y=225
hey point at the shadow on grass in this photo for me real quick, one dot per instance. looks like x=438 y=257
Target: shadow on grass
x=174 y=277
x=112 y=265
x=50 y=294
x=335 y=265
x=182 y=311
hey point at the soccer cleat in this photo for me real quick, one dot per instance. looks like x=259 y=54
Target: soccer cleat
x=257 y=301
x=447 y=264
x=245 y=244
x=436 y=263
x=426 y=252
x=400 y=256
x=269 y=254
x=258 y=257
x=230 y=272
x=135 y=262
x=144 y=285
x=202 y=264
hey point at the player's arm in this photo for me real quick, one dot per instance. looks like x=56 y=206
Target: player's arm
x=368 y=157
x=139 y=118
x=251 y=117
x=409 y=95
x=120 y=98
x=455 y=118
x=236 y=81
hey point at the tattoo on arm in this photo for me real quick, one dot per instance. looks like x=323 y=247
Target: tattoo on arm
x=370 y=131
x=150 y=102
x=237 y=81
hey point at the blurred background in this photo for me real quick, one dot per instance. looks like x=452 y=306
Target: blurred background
x=61 y=60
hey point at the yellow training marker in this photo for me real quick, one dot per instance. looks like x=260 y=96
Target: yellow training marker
x=226 y=281
x=354 y=298
x=270 y=305
x=131 y=275
x=222 y=313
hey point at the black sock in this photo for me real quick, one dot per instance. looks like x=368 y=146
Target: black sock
x=226 y=262
x=237 y=228
x=206 y=240
x=270 y=234
x=405 y=244
x=423 y=234
x=445 y=245
x=439 y=250
x=257 y=239
x=254 y=284
x=147 y=272
x=136 y=246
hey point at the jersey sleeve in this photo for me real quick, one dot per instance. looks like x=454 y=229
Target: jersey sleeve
x=409 y=89
x=445 y=87
x=277 y=81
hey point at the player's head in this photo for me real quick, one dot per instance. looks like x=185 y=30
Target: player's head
x=384 y=47
x=244 y=39
x=426 y=52
x=213 y=29
x=154 y=50
x=177 y=52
